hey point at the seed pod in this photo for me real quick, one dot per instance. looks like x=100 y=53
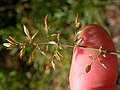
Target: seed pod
x=58 y=36
x=46 y=21
x=53 y=64
x=43 y=53
x=60 y=46
x=22 y=52
x=46 y=48
x=47 y=66
x=32 y=56
x=26 y=31
x=57 y=57
x=88 y=68
x=7 y=44
x=78 y=25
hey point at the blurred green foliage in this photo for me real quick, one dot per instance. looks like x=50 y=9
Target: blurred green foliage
x=16 y=73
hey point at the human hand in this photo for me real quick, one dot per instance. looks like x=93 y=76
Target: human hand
x=103 y=73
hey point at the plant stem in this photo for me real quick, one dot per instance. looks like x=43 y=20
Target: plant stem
x=91 y=48
x=96 y=49
x=102 y=50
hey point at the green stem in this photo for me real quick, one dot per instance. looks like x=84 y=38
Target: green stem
x=96 y=49
x=102 y=50
x=91 y=48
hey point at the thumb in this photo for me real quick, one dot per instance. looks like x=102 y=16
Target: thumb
x=103 y=73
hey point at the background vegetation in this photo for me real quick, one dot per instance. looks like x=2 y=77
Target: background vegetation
x=18 y=74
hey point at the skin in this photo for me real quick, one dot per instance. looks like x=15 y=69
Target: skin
x=99 y=77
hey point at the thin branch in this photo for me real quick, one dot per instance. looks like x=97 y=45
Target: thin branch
x=102 y=50
x=96 y=49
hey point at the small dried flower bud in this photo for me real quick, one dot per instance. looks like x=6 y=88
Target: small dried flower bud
x=103 y=64
x=7 y=44
x=46 y=48
x=79 y=41
x=32 y=56
x=43 y=53
x=35 y=35
x=46 y=21
x=60 y=46
x=13 y=39
x=10 y=41
x=53 y=64
x=57 y=57
x=47 y=66
x=88 y=68
x=22 y=52
x=78 y=25
x=30 y=41
x=23 y=45
x=58 y=53
x=53 y=42
x=34 y=43
x=26 y=31
x=58 y=36
x=103 y=54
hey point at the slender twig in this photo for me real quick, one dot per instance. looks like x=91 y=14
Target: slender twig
x=102 y=50
x=88 y=47
x=96 y=49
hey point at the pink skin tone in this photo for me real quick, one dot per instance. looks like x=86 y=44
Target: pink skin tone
x=99 y=77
